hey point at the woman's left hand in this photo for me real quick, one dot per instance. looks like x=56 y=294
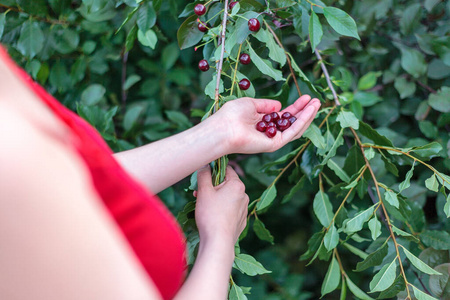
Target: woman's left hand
x=239 y=118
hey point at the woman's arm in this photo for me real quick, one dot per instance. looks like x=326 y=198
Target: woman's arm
x=231 y=130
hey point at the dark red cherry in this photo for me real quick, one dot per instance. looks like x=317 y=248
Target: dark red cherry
x=267 y=118
x=245 y=59
x=244 y=84
x=254 y=25
x=261 y=126
x=202 y=27
x=283 y=124
x=232 y=4
x=200 y=9
x=271 y=124
x=286 y=115
x=203 y=65
x=275 y=116
x=292 y=119
x=271 y=132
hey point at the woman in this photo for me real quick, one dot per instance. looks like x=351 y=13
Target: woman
x=79 y=222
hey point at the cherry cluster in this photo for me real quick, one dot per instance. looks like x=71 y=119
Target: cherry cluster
x=272 y=122
x=253 y=25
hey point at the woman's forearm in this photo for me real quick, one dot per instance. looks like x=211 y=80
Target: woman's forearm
x=162 y=163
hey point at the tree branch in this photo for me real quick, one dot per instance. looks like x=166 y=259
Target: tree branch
x=327 y=77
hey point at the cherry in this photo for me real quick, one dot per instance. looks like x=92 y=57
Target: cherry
x=200 y=9
x=261 y=126
x=202 y=27
x=271 y=124
x=286 y=115
x=275 y=116
x=244 y=84
x=232 y=4
x=203 y=65
x=267 y=118
x=254 y=25
x=292 y=119
x=283 y=124
x=271 y=131
x=244 y=58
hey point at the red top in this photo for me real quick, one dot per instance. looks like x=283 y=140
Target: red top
x=151 y=230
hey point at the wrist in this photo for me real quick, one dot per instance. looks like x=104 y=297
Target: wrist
x=218 y=132
x=221 y=248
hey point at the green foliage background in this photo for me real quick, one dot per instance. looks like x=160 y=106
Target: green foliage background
x=119 y=65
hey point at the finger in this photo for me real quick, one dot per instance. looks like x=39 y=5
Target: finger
x=264 y=106
x=204 y=179
x=231 y=174
x=304 y=119
x=298 y=105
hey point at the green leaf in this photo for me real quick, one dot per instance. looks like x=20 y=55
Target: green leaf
x=374 y=259
x=338 y=170
x=265 y=66
x=341 y=22
x=93 y=94
x=410 y=18
x=368 y=81
x=356 y=290
x=367 y=99
x=440 y=285
x=404 y=234
x=413 y=61
x=384 y=278
x=406 y=183
x=331 y=239
x=188 y=34
x=314 y=244
x=447 y=206
x=315 y=30
x=440 y=101
x=420 y=265
x=322 y=208
x=2 y=23
x=31 y=40
x=148 y=38
x=267 y=197
x=391 y=197
x=248 y=265
x=348 y=119
x=394 y=289
x=429 y=150
x=130 y=81
x=356 y=223
x=432 y=184
x=437 y=239
x=373 y=135
x=146 y=16
x=131 y=116
x=355 y=250
x=261 y=231
x=375 y=228
x=404 y=87
x=332 y=278
x=314 y=134
x=236 y=293
x=422 y=295
x=369 y=153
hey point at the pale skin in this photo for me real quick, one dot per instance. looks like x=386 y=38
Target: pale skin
x=59 y=243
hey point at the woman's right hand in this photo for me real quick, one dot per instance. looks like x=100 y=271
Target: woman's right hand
x=221 y=211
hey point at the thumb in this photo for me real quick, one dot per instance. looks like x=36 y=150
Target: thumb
x=204 y=179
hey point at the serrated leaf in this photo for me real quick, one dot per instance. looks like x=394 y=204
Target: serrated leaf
x=422 y=295
x=341 y=22
x=384 y=278
x=391 y=197
x=375 y=228
x=332 y=278
x=331 y=239
x=432 y=184
x=420 y=265
x=261 y=231
x=247 y=264
x=348 y=119
x=374 y=259
x=356 y=223
x=315 y=30
x=267 y=197
x=356 y=290
x=406 y=183
x=322 y=208
x=265 y=66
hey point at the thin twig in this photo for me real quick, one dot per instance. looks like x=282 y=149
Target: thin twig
x=222 y=51
x=327 y=77
x=124 y=76
x=46 y=20
x=287 y=57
